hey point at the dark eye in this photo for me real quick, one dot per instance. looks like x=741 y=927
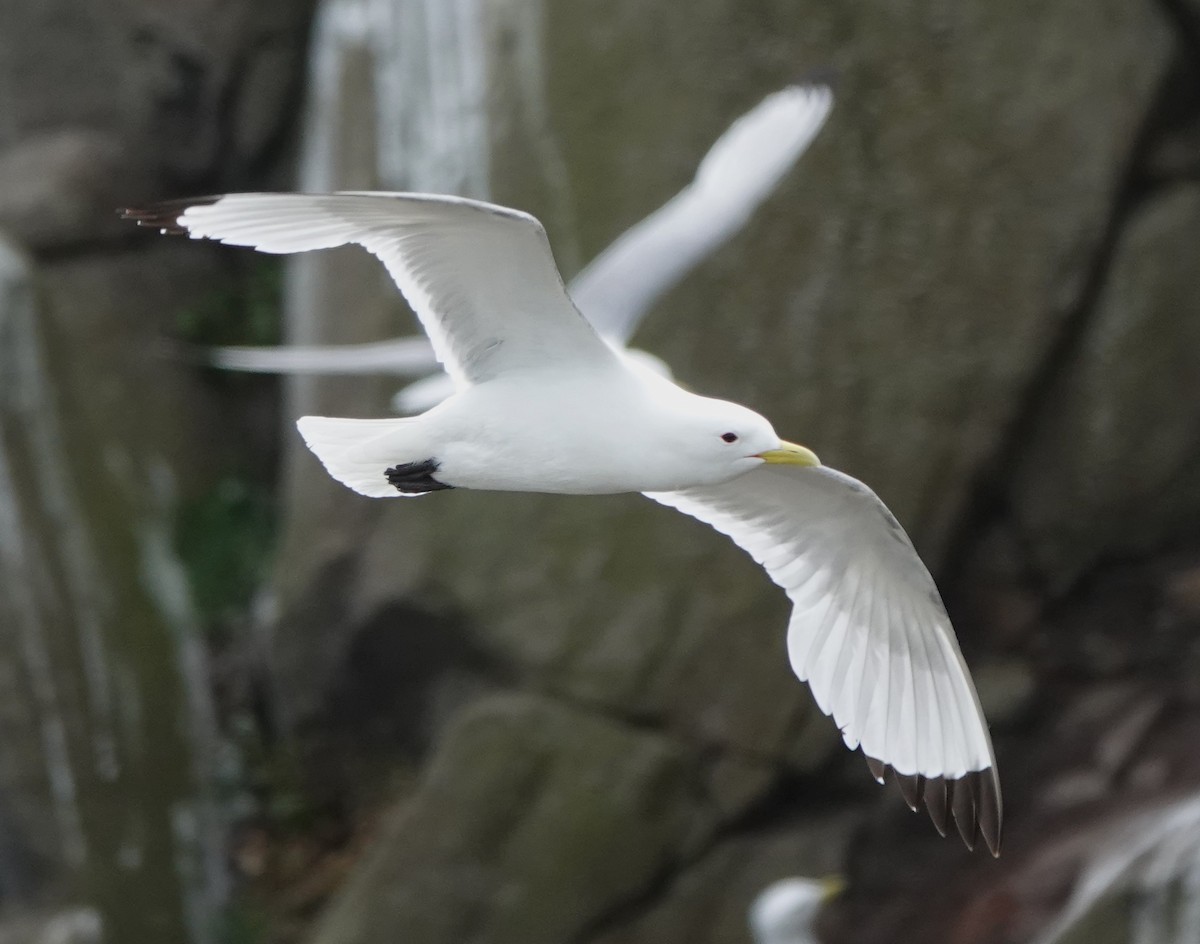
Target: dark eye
x=729 y=437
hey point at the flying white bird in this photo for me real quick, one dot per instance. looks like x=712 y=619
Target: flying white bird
x=621 y=284
x=544 y=404
x=785 y=912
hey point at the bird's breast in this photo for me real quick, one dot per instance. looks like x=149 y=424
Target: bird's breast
x=574 y=437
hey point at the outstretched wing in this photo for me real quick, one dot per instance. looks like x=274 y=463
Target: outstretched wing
x=405 y=357
x=868 y=632
x=480 y=277
x=740 y=170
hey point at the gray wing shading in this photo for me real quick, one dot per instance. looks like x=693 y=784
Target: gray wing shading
x=480 y=277
x=868 y=632
x=739 y=172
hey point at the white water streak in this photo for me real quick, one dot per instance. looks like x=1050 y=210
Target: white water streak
x=198 y=826
x=1156 y=857
x=19 y=563
x=431 y=96
x=426 y=101
x=84 y=591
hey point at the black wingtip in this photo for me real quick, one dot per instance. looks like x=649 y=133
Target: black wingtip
x=937 y=802
x=164 y=215
x=912 y=788
x=972 y=801
x=989 y=810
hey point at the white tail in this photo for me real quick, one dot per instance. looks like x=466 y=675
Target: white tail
x=358 y=453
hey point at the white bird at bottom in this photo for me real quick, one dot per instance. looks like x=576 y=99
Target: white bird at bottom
x=544 y=404
x=785 y=912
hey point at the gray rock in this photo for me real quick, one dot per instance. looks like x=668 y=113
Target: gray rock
x=61 y=189
x=534 y=821
x=105 y=708
x=1111 y=465
x=118 y=103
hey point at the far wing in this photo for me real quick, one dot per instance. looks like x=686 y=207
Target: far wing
x=480 y=277
x=407 y=357
x=740 y=170
x=423 y=394
x=868 y=632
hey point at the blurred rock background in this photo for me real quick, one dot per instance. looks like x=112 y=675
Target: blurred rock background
x=241 y=704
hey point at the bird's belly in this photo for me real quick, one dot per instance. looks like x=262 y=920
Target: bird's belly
x=467 y=467
x=574 y=436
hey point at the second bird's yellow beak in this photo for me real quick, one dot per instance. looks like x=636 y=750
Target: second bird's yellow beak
x=832 y=886
x=790 y=454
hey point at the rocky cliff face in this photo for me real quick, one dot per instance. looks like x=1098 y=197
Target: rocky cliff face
x=110 y=751
x=976 y=293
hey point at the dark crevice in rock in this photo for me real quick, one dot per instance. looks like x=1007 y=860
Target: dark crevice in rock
x=989 y=504
x=1087 y=632
x=1185 y=21
x=259 y=164
x=406 y=670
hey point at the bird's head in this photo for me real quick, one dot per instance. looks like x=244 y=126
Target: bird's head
x=786 y=911
x=727 y=439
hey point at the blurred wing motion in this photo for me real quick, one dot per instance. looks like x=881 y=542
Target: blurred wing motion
x=868 y=632
x=406 y=357
x=623 y=282
x=480 y=277
x=738 y=173
x=423 y=394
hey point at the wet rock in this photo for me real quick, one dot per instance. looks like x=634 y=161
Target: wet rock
x=106 y=714
x=105 y=706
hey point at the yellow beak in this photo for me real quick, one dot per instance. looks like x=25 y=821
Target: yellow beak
x=790 y=454
x=832 y=886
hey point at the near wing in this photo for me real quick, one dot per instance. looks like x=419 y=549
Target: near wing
x=411 y=356
x=740 y=170
x=868 y=632
x=480 y=277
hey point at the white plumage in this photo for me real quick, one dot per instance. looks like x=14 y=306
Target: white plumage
x=785 y=912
